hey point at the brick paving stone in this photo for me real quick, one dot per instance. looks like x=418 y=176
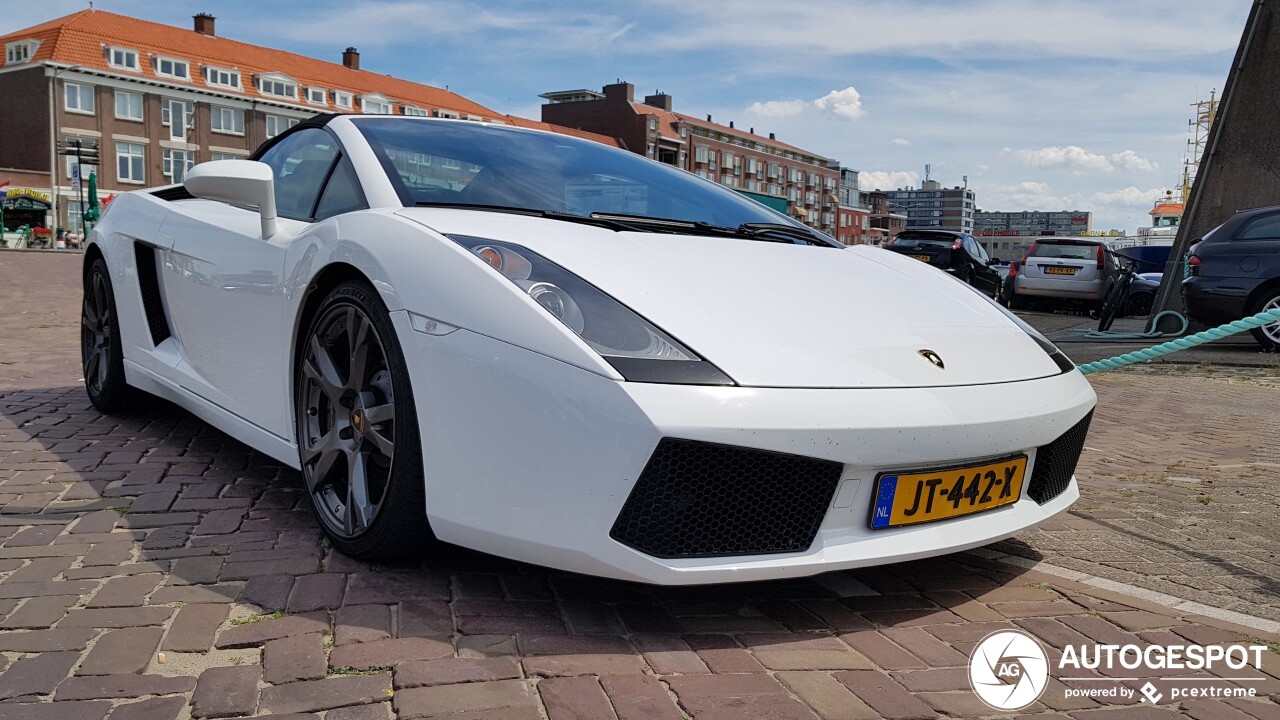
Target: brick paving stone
x=196 y=571
x=226 y=691
x=640 y=698
x=300 y=657
x=486 y=646
x=35 y=536
x=37 y=674
x=479 y=625
x=669 y=655
x=269 y=592
x=34 y=641
x=578 y=698
x=194 y=627
x=812 y=660
x=316 y=592
x=571 y=665
x=112 y=553
x=116 y=617
x=927 y=647
x=730 y=697
x=826 y=696
x=122 y=651
x=331 y=692
x=13 y=590
x=882 y=651
x=257 y=633
x=39 y=613
x=219 y=522
x=1212 y=710
x=835 y=614
x=955 y=704
x=883 y=695
x=93 y=687
x=388 y=653
x=1256 y=709
x=254 y=568
x=162 y=708
x=100 y=521
x=39 y=570
x=465 y=698
x=591 y=617
x=128 y=591
x=74 y=710
x=220 y=593
x=387 y=587
x=572 y=645
x=449 y=671
x=375 y=711
x=363 y=623
x=940 y=680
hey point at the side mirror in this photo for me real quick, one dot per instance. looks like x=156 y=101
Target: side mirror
x=244 y=182
x=994 y=261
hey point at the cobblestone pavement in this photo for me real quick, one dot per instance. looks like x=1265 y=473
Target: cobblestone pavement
x=151 y=567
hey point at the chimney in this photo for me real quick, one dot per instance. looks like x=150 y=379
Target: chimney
x=731 y=124
x=772 y=136
x=708 y=117
x=204 y=24
x=752 y=131
x=620 y=91
x=351 y=58
x=659 y=100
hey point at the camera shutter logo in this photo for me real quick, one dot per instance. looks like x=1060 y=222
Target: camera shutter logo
x=1008 y=670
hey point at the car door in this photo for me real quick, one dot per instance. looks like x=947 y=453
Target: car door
x=1250 y=253
x=229 y=307
x=985 y=277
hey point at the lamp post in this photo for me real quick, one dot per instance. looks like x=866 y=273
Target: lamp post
x=53 y=145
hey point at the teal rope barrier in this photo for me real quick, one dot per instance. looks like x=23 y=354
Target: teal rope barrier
x=1149 y=335
x=1200 y=338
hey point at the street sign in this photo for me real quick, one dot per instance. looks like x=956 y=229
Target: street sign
x=75 y=178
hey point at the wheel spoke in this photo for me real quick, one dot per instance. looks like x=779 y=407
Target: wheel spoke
x=319 y=368
x=89 y=317
x=378 y=414
x=91 y=366
x=322 y=456
x=359 y=511
x=384 y=445
x=358 y=334
x=102 y=366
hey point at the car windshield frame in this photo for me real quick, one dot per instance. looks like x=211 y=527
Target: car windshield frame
x=514 y=169
x=1091 y=250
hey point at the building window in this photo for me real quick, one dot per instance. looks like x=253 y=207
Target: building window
x=277 y=124
x=653 y=123
x=700 y=154
x=342 y=99
x=85 y=169
x=447 y=114
x=130 y=162
x=228 y=156
x=178 y=116
x=79 y=98
x=128 y=105
x=19 y=52
x=317 y=96
x=412 y=111
x=168 y=67
x=177 y=163
x=222 y=78
x=278 y=87
x=375 y=105
x=123 y=59
x=226 y=120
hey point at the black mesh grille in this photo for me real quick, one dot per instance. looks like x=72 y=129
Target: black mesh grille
x=697 y=499
x=1056 y=463
x=149 y=285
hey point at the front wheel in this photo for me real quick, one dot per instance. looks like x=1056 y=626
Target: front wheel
x=1113 y=304
x=357 y=429
x=101 y=351
x=1268 y=336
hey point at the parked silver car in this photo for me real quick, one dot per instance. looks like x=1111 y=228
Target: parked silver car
x=1060 y=271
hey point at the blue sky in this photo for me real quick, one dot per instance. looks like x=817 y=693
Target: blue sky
x=1069 y=105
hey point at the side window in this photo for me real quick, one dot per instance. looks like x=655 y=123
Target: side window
x=342 y=193
x=1263 y=228
x=301 y=162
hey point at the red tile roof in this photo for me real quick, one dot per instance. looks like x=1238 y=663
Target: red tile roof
x=82 y=39
x=667 y=121
x=745 y=135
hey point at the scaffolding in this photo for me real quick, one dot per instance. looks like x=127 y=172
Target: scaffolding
x=1197 y=137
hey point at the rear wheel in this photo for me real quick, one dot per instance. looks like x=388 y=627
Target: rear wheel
x=357 y=429
x=1140 y=304
x=1017 y=302
x=1268 y=336
x=101 y=352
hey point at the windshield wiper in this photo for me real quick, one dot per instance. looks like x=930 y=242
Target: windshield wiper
x=792 y=233
x=603 y=222
x=768 y=232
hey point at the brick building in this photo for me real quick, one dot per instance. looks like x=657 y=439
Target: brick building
x=156 y=99
x=734 y=157
x=933 y=207
x=1032 y=222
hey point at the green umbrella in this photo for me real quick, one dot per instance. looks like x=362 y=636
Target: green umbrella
x=91 y=215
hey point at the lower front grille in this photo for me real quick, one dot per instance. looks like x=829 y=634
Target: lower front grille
x=697 y=499
x=1056 y=463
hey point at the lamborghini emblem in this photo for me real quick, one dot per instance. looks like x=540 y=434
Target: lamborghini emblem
x=933 y=357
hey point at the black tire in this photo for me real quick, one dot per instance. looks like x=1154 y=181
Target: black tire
x=1268 y=336
x=1017 y=302
x=357 y=429
x=1113 y=303
x=1140 y=304
x=101 y=352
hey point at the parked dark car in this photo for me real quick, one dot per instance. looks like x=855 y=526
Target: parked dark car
x=1235 y=272
x=1006 y=287
x=956 y=252
x=1142 y=294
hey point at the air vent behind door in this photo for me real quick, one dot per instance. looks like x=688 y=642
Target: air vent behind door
x=149 y=285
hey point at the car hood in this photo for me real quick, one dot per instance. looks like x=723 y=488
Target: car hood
x=780 y=315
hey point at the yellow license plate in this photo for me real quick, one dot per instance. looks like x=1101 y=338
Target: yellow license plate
x=920 y=496
x=1060 y=271
x=921 y=258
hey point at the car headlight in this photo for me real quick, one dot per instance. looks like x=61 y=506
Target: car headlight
x=1060 y=358
x=635 y=347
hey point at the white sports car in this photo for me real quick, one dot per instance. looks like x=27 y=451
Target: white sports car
x=555 y=351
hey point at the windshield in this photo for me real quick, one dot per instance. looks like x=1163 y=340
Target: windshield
x=468 y=163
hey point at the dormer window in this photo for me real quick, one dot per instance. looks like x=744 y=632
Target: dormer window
x=317 y=96
x=170 y=68
x=342 y=99
x=16 y=53
x=412 y=111
x=447 y=114
x=123 y=59
x=217 y=77
x=375 y=104
x=276 y=85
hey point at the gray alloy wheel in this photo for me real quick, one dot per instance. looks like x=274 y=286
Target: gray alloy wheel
x=1268 y=336
x=357 y=432
x=101 y=354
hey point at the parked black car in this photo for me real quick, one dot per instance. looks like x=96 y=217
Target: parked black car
x=956 y=252
x=1235 y=272
x=1010 y=279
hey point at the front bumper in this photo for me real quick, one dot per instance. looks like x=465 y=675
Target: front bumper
x=532 y=459
x=1054 y=288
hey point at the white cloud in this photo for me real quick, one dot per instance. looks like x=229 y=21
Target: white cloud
x=846 y=103
x=1130 y=160
x=1026 y=195
x=900 y=141
x=777 y=108
x=1069 y=156
x=887 y=180
x=1128 y=196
